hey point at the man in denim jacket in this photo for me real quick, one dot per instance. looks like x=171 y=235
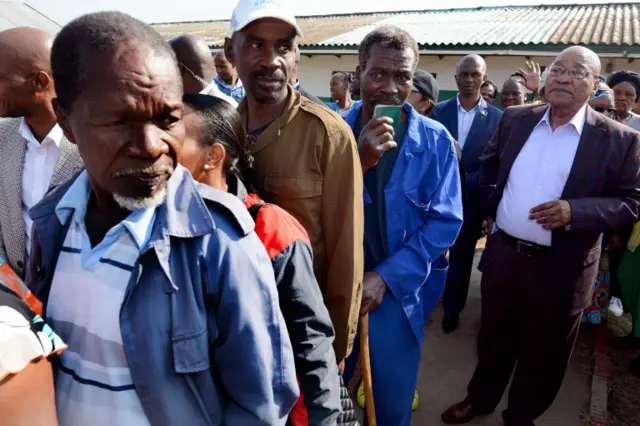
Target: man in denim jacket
x=162 y=290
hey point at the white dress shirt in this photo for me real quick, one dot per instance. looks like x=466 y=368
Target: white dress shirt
x=538 y=175
x=465 y=120
x=213 y=90
x=39 y=163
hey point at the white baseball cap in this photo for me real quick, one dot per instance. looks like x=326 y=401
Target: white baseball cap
x=248 y=11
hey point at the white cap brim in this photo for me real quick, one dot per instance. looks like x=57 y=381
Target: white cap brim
x=264 y=13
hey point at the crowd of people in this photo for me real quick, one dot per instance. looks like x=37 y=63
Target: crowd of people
x=189 y=238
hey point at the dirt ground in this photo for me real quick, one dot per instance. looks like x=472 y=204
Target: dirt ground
x=448 y=362
x=624 y=397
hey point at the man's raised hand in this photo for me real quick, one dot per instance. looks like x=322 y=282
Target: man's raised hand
x=375 y=139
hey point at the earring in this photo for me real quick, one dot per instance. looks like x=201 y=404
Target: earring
x=207 y=167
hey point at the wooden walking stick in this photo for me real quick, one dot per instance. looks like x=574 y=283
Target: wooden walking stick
x=365 y=361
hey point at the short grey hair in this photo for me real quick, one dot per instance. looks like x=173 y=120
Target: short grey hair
x=390 y=37
x=94 y=34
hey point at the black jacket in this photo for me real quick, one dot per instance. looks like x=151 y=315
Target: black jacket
x=309 y=95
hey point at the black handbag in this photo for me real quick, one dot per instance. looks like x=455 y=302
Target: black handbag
x=348 y=416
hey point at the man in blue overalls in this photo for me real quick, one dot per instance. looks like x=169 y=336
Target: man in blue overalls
x=413 y=212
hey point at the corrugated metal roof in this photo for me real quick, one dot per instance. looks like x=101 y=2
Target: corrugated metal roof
x=18 y=14
x=315 y=29
x=212 y=32
x=602 y=24
x=614 y=24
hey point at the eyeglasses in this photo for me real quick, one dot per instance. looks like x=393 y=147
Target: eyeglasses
x=604 y=110
x=575 y=73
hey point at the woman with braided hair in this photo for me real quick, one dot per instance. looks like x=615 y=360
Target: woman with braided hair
x=340 y=88
x=216 y=152
x=626 y=92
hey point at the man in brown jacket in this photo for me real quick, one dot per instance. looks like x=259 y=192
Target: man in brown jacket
x=306 y=156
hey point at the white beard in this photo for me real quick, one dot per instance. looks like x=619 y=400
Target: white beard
x=131 y=204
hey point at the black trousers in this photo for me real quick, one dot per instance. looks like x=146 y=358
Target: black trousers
x=522 y=329
x=460 y=263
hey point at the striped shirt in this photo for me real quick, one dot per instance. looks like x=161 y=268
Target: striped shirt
x=94 y=384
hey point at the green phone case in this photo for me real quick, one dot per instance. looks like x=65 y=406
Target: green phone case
x=392 y=111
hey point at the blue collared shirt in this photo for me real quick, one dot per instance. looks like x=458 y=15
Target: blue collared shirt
x=236 y=92
x=138 y=224
x=87 y=293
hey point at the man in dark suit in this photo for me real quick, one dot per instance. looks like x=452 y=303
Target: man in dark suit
x=295 y=82
x=424 y=98
x=556 y=177
x=472 y=122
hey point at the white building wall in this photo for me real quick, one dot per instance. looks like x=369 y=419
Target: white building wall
x=315 y=71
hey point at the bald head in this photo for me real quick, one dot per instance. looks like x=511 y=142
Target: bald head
x=26 y=82
x=475 y=60
x=27 y=47
x=572 y=79
x=471 y=73
x=193 y=53
x=583 y=56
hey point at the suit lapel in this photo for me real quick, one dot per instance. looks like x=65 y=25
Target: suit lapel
x=68 y=163
x=519 y=132
x=451 y=115
x=12 y=151
x=588 y=148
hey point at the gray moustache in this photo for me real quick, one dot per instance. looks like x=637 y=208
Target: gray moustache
x=151 y=170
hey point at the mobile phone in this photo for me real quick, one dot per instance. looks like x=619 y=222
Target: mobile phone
x=392 y=111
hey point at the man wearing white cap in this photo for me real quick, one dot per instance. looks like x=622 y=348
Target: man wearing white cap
x=306 y=155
